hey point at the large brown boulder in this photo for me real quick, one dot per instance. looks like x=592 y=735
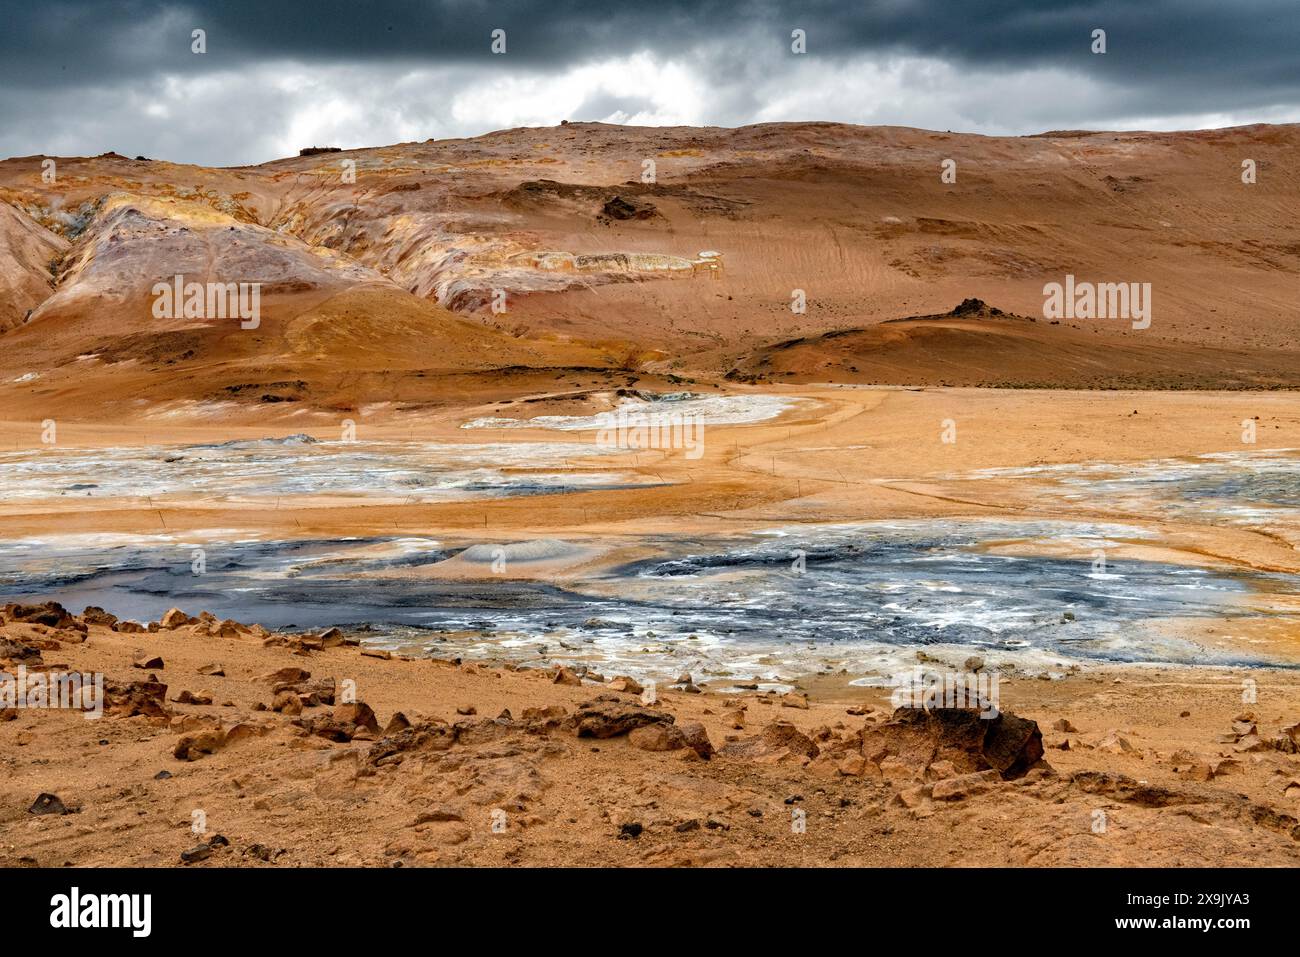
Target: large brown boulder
x=917 y=738
x=608 y=716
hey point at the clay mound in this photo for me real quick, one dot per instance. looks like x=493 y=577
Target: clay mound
x=978 y=345
x=28 y=254
x=534 y=551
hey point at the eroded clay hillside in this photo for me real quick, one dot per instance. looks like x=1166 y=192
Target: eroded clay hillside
x=587 y=239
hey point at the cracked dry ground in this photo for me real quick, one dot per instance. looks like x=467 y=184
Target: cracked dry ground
x=1166 y=759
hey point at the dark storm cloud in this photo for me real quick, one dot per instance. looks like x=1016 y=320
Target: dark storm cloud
x=1165 y=57
x=1253 y=42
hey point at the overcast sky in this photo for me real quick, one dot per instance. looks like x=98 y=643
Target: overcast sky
x=80 y=78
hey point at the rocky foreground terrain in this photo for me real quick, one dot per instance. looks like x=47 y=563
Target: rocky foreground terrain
x=227 y=745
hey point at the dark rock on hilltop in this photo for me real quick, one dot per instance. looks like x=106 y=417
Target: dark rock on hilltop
x=975 y=307
x=619 y=208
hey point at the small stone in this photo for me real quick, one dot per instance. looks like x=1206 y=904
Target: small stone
x=94 y=615
x=697 y=738
x=1115 y=743
x=200 y=852
x=191 y=697
x=437 y=815
x=657 y=737
x=913 y=797
x=357 y=713
x=1226 y=766
x=193 y=746
x=47 y=803
x=795 y=699
x=175 y=618
x=965 y=785
x=398 y=722
x=626 y=685
x=853 y=766
x=147 y=660
x=286 y=676
x=243 y=730
x=939 y=770
x=1251 y=742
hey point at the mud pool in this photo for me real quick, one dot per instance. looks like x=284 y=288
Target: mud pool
x=762 y=607
x=301 y=465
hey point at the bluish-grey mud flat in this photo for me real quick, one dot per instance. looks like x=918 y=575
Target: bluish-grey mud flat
x=817 y=532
